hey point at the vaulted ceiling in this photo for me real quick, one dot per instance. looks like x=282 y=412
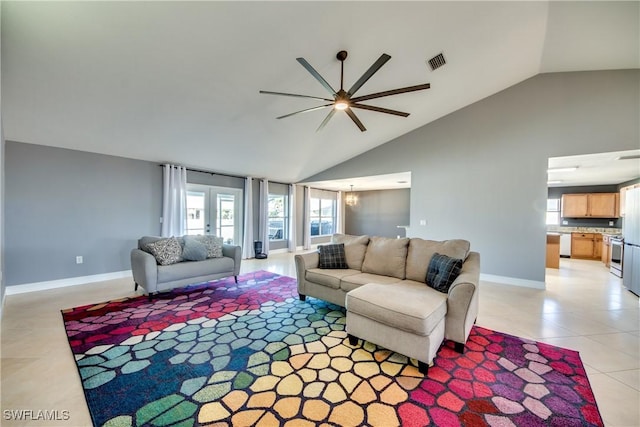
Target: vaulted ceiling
x=179 y=81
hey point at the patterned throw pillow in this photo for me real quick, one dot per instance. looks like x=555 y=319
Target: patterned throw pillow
x=194 y=250
x=442 y=272
x=166 y=251
x=332 y=256
x=213 y=244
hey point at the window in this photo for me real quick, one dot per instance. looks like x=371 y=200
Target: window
x=278 y=217
x=323 y=214
x=553 y=211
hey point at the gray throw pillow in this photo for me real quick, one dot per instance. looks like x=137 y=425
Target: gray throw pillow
x=442 y=272
x=166 y=251
x=194 y=250
x=332 y=256
x=213 y=244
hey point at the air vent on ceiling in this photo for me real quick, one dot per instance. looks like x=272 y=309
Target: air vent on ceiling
x=437 y=62
x=632 y=157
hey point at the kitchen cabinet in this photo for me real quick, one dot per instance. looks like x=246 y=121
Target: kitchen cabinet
x=597 y=246
x=590 y=205
x=586 y=245
x=553 y=250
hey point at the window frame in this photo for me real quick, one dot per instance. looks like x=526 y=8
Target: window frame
x=553 y=211
x=284 y=217
x=316 y=204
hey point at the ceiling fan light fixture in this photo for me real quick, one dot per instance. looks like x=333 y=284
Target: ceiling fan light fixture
x=341 y=105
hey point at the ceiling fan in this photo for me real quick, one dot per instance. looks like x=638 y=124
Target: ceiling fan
x=344 y=100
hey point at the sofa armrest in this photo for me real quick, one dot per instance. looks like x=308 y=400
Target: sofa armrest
x=145 y=270
x=234 y=252
x=462 y=300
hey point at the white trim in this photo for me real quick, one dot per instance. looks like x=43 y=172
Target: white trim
x=62 y=283
x=513 y=281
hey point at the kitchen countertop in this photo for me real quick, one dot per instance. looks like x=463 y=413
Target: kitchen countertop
x=601 y=230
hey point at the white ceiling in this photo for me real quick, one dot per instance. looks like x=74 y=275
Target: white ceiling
x=179 y=81
x=595 y=169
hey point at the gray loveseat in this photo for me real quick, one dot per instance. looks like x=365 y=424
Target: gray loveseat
x=387 y=299
x=154 y=278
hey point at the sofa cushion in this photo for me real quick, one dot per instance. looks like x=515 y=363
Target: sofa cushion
x=421 y=251
x=406 y=305
x=166 y=251
x=386 y=256
x=442 y=272
x=354 y=281
x=354 y=248
x=327 y=277
x=332 y=256
x=184 y=270
x=194 y=250
x=213 y=244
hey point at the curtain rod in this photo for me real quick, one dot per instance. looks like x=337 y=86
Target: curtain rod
x=223 y=174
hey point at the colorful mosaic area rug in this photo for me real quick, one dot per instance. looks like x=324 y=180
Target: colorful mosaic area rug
x=252 y=354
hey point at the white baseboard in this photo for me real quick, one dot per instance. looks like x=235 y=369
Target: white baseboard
x=71 y=281
x=513 y=281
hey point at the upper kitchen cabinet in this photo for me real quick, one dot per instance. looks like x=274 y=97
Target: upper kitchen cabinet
x=590 y=205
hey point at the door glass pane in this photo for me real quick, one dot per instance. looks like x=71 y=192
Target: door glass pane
x=226 y=217
x=195 y=212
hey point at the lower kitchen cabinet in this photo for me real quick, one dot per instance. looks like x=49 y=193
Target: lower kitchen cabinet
x=586 y=245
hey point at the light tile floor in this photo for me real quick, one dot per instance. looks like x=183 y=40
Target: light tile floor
x=584 y=308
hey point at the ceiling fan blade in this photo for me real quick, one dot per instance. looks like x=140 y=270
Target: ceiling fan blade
x=370 y=72
x=317 y=75
x=379 y=109
x=294 y=94
x=305 y=111
x=355 y=119
x=391 y=92
x=326 y=119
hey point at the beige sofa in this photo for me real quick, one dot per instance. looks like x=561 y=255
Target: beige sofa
x=387 y=299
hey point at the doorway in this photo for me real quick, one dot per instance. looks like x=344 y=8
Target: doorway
x=215 y=211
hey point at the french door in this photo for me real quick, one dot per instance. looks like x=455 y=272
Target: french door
x=216 y=211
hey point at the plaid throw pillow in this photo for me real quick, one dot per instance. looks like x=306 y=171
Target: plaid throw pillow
x=332 y=256
x=442 y=272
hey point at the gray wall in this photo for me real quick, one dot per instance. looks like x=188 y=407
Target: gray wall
x=62 y=203
x=378 y=213
x=480 y=172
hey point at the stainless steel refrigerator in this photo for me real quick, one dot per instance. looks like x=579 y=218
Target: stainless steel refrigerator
x=631 y=233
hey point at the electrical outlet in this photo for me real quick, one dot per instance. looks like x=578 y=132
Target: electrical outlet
x=79 y=260
x=611 y=223
x=423 y=222
x=565 y=222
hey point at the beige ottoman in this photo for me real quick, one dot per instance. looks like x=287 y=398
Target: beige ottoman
x=405 y=317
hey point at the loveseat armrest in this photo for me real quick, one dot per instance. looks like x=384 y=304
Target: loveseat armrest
x=145 y=270
x=234 y=252
x=462 y=300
